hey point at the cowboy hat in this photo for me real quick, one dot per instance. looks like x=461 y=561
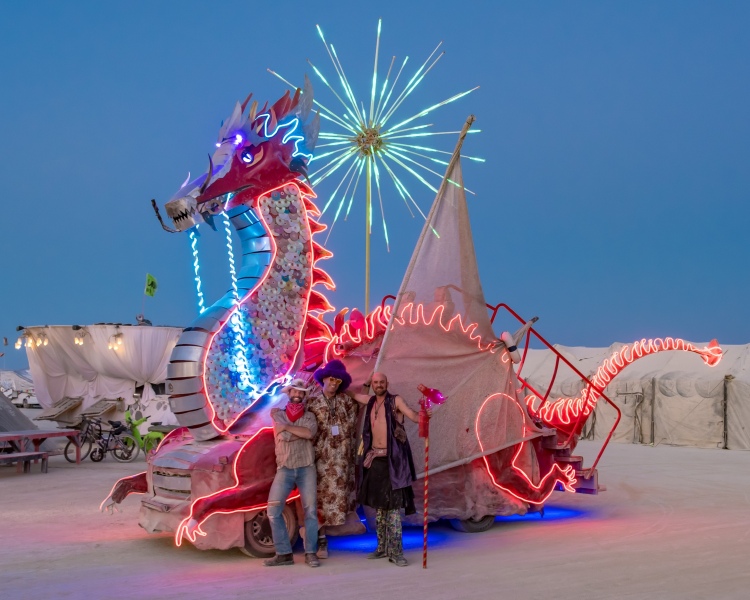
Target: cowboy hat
x=296 y=384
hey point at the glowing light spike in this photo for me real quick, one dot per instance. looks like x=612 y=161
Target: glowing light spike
x=402 y=192
x=382 y=210
x=413 y=135
x=388 y=133
x=427 y=149
x=390 y=92
x=354 y=191
x=382 y=90
x=409 y=86
x=406 y=191
x=330 y=153
x=343 y=197
x=411 y=160
x=413 y=85
x=334 y=168
x=434 y=107
x=375 y=76
x=347 y=87
x=330 y=87
x=338 y=187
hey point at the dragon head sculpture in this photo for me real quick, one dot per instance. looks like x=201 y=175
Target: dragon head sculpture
x=256 y=150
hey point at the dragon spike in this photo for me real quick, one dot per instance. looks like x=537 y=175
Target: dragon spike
x=320 y=253
x=272 y=121
x=316 y=227
x=244 y=104
x=281 y=105
x=319 y=302
x=338 y=321
x=306 y=102
x=208 y=175
x=316 y=329
x=311 y=207
x=187 y=180
x=253 y=111
x=320 y=276
x=311 y=131
x=295 y=100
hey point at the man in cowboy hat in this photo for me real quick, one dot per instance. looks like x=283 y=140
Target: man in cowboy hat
x=293 y=427
x=336 y=414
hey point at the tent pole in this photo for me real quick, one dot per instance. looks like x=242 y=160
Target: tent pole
x=725 y=403
x=653 y=408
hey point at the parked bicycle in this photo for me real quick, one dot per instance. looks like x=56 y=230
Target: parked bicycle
x=95 y=442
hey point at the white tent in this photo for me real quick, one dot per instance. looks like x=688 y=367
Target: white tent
x=667 y=398
x=110 y=363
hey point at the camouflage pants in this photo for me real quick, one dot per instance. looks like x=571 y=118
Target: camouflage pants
x=388 y=528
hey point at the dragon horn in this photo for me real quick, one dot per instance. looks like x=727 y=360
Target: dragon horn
x=244 y=104
x=253 y=111
x=273 y=123
x=208 y=175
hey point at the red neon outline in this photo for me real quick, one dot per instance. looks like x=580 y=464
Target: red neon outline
x=562 y=412
x=568 y=482
x=117 y=482
x=261 y=281
x=376 y=323
x=184 y=523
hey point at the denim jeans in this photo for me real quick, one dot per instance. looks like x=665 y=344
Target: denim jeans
x=305 y=478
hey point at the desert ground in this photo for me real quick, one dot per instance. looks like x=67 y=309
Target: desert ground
x=673 y=523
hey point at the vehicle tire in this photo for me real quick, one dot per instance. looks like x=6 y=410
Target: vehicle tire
x=473 y=525
x=258 y=539
x=70 y=450
x=126 y=448
x=97 y=454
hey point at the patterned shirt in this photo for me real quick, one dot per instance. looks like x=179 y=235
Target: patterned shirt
x=294 y=452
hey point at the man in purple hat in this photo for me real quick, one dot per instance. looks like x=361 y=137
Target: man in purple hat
x=336 y=414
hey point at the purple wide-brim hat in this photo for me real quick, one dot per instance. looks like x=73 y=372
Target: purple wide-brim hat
x=334 y=368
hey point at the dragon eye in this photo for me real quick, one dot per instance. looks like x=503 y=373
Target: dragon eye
x=246 y=156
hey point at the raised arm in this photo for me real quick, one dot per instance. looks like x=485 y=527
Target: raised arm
x=363 y=398
x=408 y=412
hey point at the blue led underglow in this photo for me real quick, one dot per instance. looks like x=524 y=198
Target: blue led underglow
x=551 y=513
x=196 y=268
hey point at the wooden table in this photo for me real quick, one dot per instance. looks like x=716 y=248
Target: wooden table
x=37 y=436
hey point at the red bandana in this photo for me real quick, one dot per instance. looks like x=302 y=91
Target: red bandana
x=294 y=410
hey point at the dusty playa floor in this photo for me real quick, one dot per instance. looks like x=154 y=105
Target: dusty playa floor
x=674 y=523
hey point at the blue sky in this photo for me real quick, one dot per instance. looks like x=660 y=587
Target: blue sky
x=613 y=203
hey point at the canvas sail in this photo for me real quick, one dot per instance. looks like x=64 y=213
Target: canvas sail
x=440 y=335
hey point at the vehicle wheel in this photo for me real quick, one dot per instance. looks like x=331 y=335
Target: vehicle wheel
x=126 y=448
x=258 y=539
x=70 y=450
x=97 y=454
x=473 y=525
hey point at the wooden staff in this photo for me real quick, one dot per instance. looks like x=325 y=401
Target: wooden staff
x=424 y=431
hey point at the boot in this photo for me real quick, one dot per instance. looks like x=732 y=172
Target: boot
x=322 y=547
x=279 y=560
x=311 y=559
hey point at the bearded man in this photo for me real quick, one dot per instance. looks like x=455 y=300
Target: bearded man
x=388 y=466
x=336 y=415
x=293 y=428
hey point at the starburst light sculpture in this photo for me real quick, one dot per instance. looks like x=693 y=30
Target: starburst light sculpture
x=365 y=141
